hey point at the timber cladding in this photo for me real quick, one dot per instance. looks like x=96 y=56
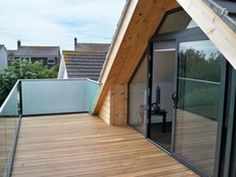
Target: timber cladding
x=114 y=108
x=119 y=104
x=125 y=57
x=104 y=112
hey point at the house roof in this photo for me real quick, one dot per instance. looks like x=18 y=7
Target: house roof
x=84 y=64
x=225 y=9
x=2 y=46
x=35 y=51
x=92 y=47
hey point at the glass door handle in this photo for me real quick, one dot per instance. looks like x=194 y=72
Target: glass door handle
x=175 y=99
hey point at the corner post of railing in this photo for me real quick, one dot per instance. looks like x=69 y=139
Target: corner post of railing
x=20 y=101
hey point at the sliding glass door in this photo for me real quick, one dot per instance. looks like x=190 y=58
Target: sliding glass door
x=198 y=100
x=162 y=88
x=190 y=96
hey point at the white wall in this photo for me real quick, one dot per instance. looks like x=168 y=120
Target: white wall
x=164 y=77
x=167 y=89
x=3 y=58
x=62 y=73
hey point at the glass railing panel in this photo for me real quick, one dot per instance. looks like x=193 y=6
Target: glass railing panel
x=92 y=94
x=11 y=130
x=9 y=118
x=54 y=96
x=10 y=105
x=3 y=147
x=8 y=130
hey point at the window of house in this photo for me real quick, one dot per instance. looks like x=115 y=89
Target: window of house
x=25 y=58
x=51 y=61
x=39 y=59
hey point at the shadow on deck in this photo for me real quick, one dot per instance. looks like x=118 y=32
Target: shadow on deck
x=82 y=145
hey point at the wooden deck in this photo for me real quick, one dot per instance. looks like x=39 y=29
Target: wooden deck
x=81 y=145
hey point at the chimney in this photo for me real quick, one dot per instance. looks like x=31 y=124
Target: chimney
x=75 y=42
x=18 y=44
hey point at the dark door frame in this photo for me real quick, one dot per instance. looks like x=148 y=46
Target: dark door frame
x=230 y=157
x=194 y=34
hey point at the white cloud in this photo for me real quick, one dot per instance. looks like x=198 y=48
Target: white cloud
x=57 y=22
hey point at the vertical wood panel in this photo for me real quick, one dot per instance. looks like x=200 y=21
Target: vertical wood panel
x=119 y=104
x=104 y=112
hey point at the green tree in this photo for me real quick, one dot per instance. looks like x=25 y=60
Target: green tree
x=23 y=70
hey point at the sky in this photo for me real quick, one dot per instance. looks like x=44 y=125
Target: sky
x=57 y=22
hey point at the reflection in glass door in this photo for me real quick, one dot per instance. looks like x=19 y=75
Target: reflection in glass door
x=163 y=87
x=198 y=103
x=137 y=98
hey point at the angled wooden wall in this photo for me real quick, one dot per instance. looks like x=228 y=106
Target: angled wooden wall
x=138 y=25
x=105 y=112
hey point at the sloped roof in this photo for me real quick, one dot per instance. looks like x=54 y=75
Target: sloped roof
x=2 y=46
x=84 y=64
x=226 y=9
x=229 y=5
x=92 y=47
x=35 y=50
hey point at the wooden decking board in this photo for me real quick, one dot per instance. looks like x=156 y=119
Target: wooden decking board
x=82 y=145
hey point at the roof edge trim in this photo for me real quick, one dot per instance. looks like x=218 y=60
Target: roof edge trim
x=117 y=33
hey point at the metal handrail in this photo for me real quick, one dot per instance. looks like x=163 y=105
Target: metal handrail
x=199 y=80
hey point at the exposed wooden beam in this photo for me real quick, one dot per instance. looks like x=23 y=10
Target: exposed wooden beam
x=213 y=26
x=119 y=36
x=115 y=47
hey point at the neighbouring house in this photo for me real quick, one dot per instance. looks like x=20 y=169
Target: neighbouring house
x=3 y=57
x=86 y=61
x=49 y=55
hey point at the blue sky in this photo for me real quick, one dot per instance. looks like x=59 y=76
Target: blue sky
x=57 y=22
